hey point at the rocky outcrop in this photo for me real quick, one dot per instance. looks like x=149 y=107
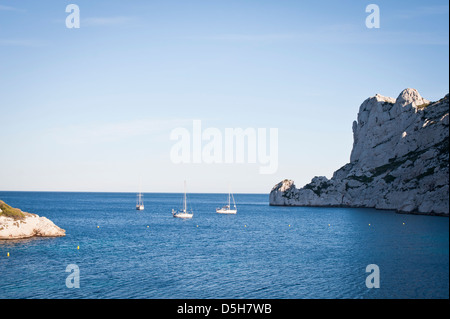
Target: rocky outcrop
x=399 y=160
x=18 y=225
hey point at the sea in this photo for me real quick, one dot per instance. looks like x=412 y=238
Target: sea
x=262 y=252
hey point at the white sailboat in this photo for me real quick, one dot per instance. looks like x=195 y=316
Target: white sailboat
x=139 y=202
x=227 y=208
x=184 y=213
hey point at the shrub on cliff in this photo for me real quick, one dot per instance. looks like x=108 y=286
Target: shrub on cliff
x=8 y=211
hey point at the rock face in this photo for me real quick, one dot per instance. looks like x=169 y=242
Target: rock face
x=399 y=160
x=27 y=225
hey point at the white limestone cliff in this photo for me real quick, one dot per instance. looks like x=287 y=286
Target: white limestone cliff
x=399 y=160
x=27 y=225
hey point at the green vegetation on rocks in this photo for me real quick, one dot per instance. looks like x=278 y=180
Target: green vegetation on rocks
x=8 y=211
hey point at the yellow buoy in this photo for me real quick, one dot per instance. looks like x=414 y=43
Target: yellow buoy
x=148 y=226
x=197 y=225
x=369 y=224
x=78 y=247
x=7 y=254
x=403 y=223
x=328 y=224
x=98 y=226
x=245 y=225
x=289 y=225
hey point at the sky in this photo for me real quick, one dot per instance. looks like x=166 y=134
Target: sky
x=93 y=108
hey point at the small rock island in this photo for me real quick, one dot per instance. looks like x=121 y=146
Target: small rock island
x=15 y=224
x=399 y=161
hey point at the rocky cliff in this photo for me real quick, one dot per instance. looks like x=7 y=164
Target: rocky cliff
x=15 y=224
x=399 y=160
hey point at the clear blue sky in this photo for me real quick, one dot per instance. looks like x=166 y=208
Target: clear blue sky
x=91 y=109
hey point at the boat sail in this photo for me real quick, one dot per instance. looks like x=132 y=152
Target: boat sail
x=139 y=202
x=184 y=213
x=227 y=208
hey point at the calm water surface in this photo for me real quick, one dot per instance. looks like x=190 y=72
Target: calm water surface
x=262 y=252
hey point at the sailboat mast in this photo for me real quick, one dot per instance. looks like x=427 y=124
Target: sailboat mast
x=185 y=208
x=140 y=192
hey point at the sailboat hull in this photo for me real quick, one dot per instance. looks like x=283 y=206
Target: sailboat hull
x=139 y=207
x=183 y=215
x=226 y=211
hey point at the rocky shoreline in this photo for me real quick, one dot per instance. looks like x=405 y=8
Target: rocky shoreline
x=15 y=224
x=399 y=161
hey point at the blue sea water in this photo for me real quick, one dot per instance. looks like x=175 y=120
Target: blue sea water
x=262 y=252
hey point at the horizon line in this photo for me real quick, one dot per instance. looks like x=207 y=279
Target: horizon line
x=121 y=192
